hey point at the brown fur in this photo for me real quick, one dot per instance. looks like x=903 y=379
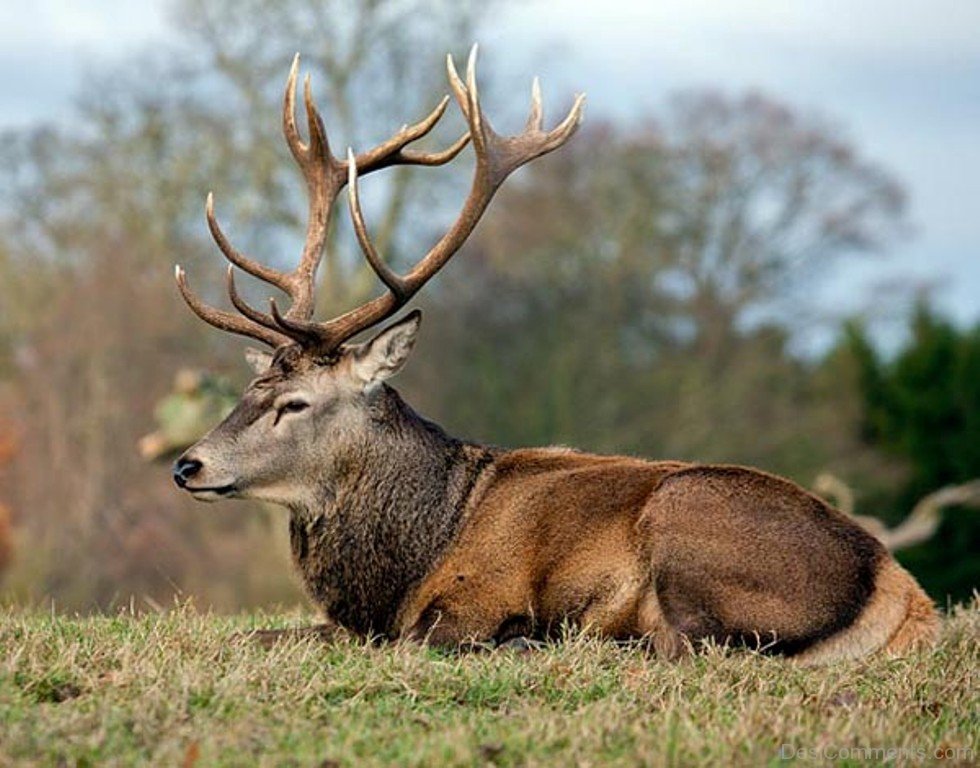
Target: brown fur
x=898 y=619
x=672 y=552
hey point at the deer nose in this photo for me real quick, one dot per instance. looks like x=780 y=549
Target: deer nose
x=185 y=469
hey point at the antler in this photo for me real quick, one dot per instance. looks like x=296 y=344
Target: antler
x=325 y=176
x=496 y=158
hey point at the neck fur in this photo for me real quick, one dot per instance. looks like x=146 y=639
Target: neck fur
x=398 y=502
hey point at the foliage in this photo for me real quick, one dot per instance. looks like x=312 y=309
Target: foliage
x=923 y=406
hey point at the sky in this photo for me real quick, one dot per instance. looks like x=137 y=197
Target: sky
x=902 y=79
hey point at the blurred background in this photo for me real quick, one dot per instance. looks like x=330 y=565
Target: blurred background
x=763 y=247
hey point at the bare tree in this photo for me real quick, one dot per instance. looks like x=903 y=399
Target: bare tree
x=761 y=196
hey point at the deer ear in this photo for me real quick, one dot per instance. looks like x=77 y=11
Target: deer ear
x=383 y=356
x=258 y=360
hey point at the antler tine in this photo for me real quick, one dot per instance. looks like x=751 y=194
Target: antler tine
x=243 y=306
x=226 y=321
x=414 y=157
x=457 y=86
x=536 y=116
x=394 y=283
x=235 y=256
x=319 y=148
x=304 y=332
x=289 y=128
x=393 y=152
x=324 y=179
x=564 y=130
x=474 y=115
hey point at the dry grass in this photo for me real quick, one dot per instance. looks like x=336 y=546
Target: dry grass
x=172 y=690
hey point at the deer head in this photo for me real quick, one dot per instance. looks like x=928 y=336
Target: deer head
x=316 y=392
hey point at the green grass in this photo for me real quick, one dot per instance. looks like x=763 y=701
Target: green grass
x=172 y=689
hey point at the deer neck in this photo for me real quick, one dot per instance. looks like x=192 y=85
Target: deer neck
x=396 y=504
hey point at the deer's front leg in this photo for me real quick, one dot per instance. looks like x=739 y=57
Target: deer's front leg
x=468 y=626
x=267 y=638
x=442 y=629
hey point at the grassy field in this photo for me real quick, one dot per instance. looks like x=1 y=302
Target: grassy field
x=172 y=690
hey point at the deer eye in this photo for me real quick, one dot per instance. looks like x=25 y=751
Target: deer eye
x=290 y=406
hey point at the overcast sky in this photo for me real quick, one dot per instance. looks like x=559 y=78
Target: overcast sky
x=902 y=78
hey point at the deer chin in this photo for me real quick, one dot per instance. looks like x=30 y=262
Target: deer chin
x=212 y=492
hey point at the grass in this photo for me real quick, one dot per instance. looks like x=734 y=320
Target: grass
x=171 y=689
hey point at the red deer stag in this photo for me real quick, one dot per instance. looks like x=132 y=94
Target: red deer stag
x=401 y=531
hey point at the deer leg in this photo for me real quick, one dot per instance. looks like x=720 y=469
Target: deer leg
x=442 y=625
x=668 y=639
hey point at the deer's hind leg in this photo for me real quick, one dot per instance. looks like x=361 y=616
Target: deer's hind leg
x=666 y=640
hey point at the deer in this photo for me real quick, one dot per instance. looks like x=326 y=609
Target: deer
x=401 y=532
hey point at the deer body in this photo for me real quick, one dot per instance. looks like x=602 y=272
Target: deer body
x=434 y=539
x=402 y=531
